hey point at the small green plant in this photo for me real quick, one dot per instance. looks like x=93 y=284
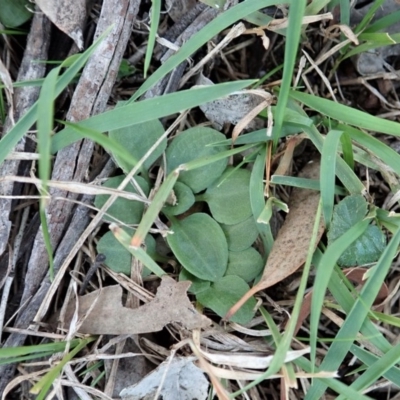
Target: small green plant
x=369 y=246
x=214 y=251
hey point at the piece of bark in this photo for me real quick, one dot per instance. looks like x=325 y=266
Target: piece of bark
x=290 y=248
x=103 y=314
x=78 y=224
x=177 y=9
x=170 y=82
x=178 y=28
x=89 y=98
x=72 y=163
x=24 y=97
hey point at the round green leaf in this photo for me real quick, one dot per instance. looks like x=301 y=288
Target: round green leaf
x=183 y=197
x=369 y=246
x=125 y=210
x=118 y=257
x=229 y=197
x=224 y=293
x=138 y=139
x=14 y=13
x=242 y=235
x=247 y=264
x=347 y=213
x=365 y=250
x=193 y=144
x=200 y=246
x=197 y=286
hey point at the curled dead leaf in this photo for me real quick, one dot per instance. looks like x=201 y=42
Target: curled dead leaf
x=67 y=15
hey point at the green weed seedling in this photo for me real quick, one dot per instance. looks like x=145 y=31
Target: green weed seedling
x=214 y=251
x=369 y=246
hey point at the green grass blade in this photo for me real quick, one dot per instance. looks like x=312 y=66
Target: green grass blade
x=147 y=110
x=8 y=142
x=284 y=344
x=155 y=20
x=390 y=222
x=392 y=374
x=376 y=370
x=46 y=238
x=379 y=40
x=275 y=332
x=346 y=175
x=328 y=174
x=389 y=156
x=139 y=253
x=356 y=317
x=201 y=162
x=42 y=387
x=339 y=287
x=344 y=12
x=213 y=28
x=304 y=183
x=154 y=209
x=369 y=15
x=346 y=114
x=324 y=272
x=346 y=300
x=8 y=352
x=258 y=18
x=19 y=359
x=385 y=22
x=316 y=6
x=257 y=200
x=344 y=172
x=45 y=124
x=103 y=140
x=347 y=149
x=333 y=384
x=296 y=12
x=2 y=106
x=45 y=129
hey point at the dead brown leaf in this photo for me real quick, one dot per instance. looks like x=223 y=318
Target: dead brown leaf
x=109 y=316
x=290 y=248
x=67 y=15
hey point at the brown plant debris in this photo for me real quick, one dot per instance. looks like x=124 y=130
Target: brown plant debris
x=107 y=315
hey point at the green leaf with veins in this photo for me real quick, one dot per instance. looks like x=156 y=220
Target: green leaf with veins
x=229 y=197
x=247 y=264
x=369 y=246
x=183 y=198
x=224 y=293
x=242 y=235
x=200 y=246
x=193 y=144
x=197 y=286
x=137 y=140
